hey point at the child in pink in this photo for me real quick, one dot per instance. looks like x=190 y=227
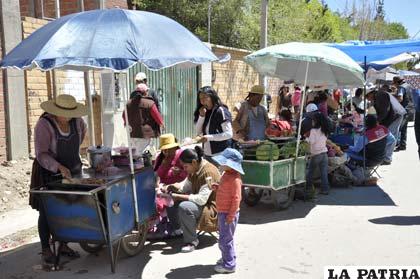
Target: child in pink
x=228 y=199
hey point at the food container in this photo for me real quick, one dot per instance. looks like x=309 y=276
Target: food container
x=99 y=156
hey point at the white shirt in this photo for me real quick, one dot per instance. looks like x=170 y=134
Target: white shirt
x=317 y=142
x=225 y=135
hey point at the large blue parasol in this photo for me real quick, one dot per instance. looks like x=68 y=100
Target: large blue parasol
x=109 y=39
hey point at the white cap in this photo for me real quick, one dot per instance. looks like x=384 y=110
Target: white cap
x=141 y=76
x=311 y=108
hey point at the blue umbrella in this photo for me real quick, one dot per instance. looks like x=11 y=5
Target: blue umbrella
x=109 y=39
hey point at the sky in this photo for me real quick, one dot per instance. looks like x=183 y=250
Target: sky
x=406 y=12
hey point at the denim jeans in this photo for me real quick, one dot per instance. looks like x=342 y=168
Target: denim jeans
x=403 y=132
x=318 y=161
x=394 y=128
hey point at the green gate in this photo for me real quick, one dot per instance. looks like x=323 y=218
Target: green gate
x=177 y=90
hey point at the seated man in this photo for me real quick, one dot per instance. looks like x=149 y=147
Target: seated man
x=375 y=141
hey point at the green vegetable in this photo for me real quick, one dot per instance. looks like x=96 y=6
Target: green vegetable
x=289 y=149
x=267 y=151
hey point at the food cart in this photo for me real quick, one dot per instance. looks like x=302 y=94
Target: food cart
x=110 y=209
x=95 y=210
x=269 y=171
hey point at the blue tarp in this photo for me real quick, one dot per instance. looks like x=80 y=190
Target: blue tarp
x=376 y=51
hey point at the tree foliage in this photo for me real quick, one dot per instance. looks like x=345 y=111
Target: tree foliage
x=236 y=23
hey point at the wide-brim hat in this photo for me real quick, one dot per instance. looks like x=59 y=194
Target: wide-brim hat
x=167 y=141
x=65 y=106
x=232 y=158
x=257 y=89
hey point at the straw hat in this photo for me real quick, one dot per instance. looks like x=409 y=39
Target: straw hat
x=167 y=141
x=257 y=89
x=65 y=106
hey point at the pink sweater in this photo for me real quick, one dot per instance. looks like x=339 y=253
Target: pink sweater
x=166 y=171
x=228 y=195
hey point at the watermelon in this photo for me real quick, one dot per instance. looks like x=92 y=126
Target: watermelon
x=267 y=151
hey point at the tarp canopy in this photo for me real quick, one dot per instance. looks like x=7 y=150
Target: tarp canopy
x=379 y=54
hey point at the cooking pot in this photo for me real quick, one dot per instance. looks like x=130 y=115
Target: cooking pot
x=99 y=155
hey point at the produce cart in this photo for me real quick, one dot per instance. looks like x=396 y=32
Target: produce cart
x=96 y=210
x=269 y=171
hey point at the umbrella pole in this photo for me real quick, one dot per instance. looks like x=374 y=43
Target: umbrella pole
x=302 y=103
x=90 y=106
x=364 y=118
x=130 y=152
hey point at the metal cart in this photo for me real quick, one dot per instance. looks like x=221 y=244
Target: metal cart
x=101 y=215
x=273 y=178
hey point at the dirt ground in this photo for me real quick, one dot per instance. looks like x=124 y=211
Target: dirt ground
x=14 y=184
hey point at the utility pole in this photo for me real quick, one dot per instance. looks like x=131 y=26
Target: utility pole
x=263 y=33
x=209 y=21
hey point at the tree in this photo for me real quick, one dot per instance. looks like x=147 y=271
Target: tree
x=236 y=23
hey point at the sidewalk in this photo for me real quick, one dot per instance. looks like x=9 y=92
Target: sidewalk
x=17 y=220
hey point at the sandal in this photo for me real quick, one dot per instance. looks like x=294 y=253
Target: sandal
x=67 y=251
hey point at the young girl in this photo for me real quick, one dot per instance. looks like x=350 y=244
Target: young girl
x=317 y=138
x=228 y=198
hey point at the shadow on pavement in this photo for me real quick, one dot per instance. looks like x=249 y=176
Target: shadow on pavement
x=194 y=271
x=264 y=213
x=24 y=262
x=357 y=196
x=397 y=220
x=174 y=245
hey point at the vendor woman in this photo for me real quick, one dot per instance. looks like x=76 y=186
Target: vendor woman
x=213 y=122
x=252 y=118
x=192 y=196
x=58 y=135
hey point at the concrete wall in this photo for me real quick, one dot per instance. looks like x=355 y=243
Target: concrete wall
x=3 y=146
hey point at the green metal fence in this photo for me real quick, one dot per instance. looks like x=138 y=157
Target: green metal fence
x=177 y=90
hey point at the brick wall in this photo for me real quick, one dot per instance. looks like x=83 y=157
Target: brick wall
x=31 y=8
x=234 y=79
x=116 y=3
x=3 y=146
x=39 y=87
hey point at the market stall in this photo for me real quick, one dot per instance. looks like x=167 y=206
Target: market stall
x=311 y=65
x=111 y=202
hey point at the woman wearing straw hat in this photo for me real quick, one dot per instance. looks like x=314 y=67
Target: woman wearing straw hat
x=252 y=119
x=169 y=170
x=58 y=135
x=168 y=166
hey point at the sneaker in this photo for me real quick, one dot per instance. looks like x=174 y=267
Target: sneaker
x=401 y=148
x=219 y=261
x=386 y=163
x=189 y=247
x=222 y=269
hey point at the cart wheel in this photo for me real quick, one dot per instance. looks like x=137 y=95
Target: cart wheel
x=133 y=243
x=283 y=198
x=90 y=247
x=252 y=196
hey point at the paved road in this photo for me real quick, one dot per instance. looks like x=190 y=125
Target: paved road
x=353 y=226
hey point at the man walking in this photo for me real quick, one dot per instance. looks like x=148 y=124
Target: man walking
x=141 y=78
x=402 y=95
x=144 y=119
